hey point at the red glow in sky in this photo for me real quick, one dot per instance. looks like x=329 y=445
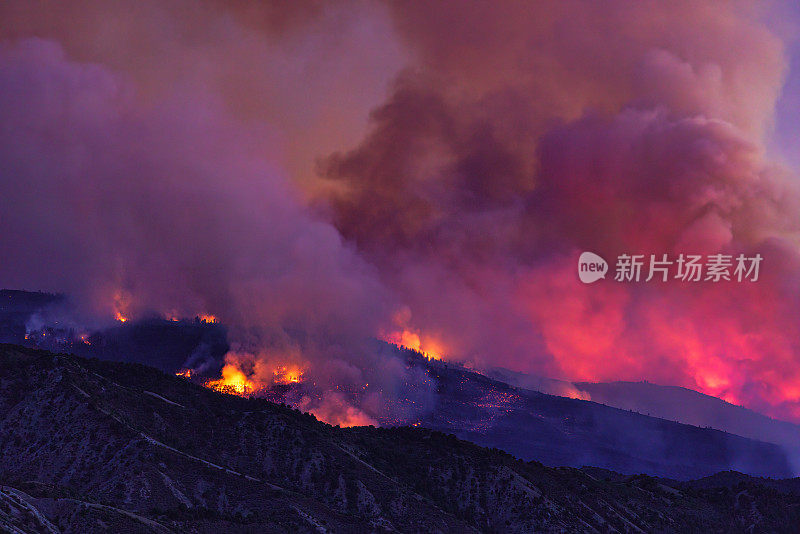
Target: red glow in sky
x=356 y=172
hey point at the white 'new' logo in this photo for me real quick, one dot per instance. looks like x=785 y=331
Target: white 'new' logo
x=591 y=267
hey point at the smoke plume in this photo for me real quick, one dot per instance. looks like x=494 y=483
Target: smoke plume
x=316 y=175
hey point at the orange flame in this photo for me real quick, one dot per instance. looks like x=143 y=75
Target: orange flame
x=184 y=373
x=233 y=382
x=121 y=301
x=410 y=339
x=331 y=407
x=203 y=317
x=334 y=409
x=245 y=374
x=287 y=374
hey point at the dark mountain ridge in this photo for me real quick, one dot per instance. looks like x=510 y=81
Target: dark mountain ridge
x=673 y=403
x=92 y=446
x=692 y=407
x=555 y=430
x=560 y=431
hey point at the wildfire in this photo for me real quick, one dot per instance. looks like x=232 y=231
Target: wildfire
x=287 y=374
x=233 y=382
x=184 y=373
x=410 y=339
x=206 y=318
x=121 y=301
x=245 y=376
x=333 y=408
x=404 y=335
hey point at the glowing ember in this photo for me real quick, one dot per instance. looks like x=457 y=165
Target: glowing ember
x=185 y=373
x=287 y=374
x=233 y=382
x=334 y=409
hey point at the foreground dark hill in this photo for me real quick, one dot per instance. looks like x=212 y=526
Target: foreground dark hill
x=560 y=431
x=90 y=446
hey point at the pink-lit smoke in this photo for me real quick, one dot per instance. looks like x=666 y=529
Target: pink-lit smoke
x=433 y=167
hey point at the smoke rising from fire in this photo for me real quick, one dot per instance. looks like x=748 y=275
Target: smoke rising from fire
x=136 y=208
x=315 y=175
x=636 y=129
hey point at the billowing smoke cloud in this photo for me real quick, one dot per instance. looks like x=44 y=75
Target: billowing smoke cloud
x=316 y=175
x=156 y=158
x=171 y=207
x=526 y=136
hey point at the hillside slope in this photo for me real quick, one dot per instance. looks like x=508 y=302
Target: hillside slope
x=561 y=431
x=552 y=429
x=89 y=446
x=688 y=406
